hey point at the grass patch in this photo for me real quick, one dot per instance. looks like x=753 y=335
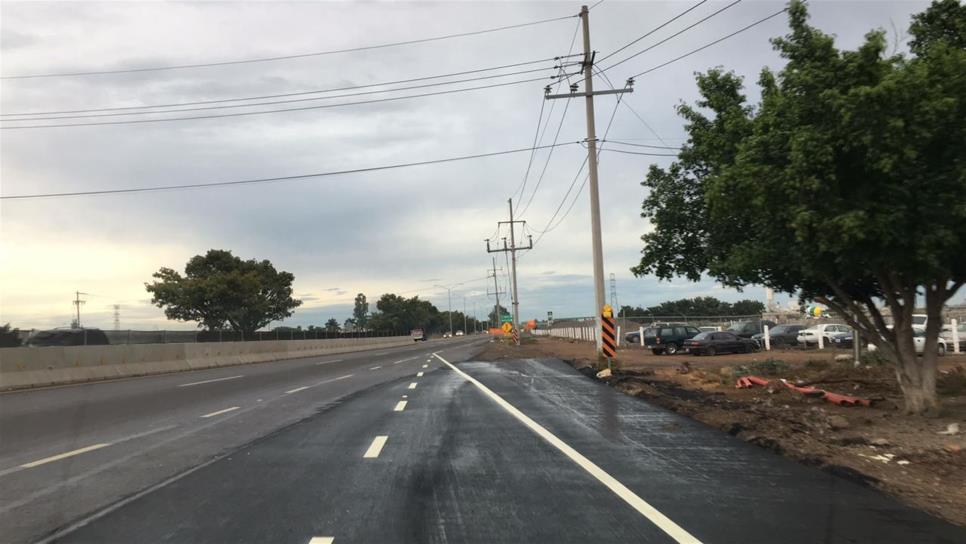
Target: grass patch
x=768 y=367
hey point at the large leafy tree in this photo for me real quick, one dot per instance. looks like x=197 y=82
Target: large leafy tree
x=697 y=306
x=332 y=325
x=402 y=314
x=219 y=291
x=845 y=184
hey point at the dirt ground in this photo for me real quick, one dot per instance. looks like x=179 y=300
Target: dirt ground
x=904 y=456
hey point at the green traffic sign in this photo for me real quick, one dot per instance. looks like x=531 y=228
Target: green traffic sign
x=506 y=318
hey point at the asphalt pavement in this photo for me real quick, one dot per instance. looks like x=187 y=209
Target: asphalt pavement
x=407 y=446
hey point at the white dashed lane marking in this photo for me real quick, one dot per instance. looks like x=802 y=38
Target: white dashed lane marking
x=412 y=385
x=376 y=367
x=400 y=406
x=419 y=374
x=65 y=455
x=322 y=540
x=219 y=412
x=376 y=447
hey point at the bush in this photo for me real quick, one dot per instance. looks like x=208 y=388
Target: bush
x=9 y=338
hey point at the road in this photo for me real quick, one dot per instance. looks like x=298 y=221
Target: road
x=423 y=443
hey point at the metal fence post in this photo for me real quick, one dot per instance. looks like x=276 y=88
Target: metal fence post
x=767 y=339
x=164 y=336
x=641 y=337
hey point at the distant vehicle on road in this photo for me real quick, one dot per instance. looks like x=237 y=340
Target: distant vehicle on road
x=780 y=335
x=447 y=335
x=747 y=329
x=667 y=338
x=417 y=335
x=459 y=333
x=68 y=337
x=712 y=343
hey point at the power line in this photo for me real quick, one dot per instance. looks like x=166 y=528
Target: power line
x=719 y=40
x=672 y=36
x=289 y=101
x=642 y=153
x=526 y=175
x=263 y=112
x=543 y=172
x=632 y=110
x=285 y=95
x=619 y=142
x=287 y=57
x=270 y=180
x=653 y=30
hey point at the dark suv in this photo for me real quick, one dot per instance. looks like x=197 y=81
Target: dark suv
x=668 y=338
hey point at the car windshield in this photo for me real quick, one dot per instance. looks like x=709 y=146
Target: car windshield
x=457 y=271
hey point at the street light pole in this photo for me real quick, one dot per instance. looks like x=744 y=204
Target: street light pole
x=449 y=295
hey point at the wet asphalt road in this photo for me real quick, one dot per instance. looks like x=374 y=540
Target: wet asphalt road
x=516 y=451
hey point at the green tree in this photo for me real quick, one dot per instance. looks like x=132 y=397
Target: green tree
x=495 y=318
x=9 y=338
x=332 y=325
x=844 y=185
x=360 y=312
x=219 y=290
x=402 y=314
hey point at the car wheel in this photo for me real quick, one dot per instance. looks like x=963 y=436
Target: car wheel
x=710 y=350
x=671 y=349
x=941 y=350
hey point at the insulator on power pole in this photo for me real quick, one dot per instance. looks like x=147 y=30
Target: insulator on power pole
x=630 y=82
x=573 y=87
x=546 y=90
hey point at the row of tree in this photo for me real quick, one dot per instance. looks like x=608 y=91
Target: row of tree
x=698 y=306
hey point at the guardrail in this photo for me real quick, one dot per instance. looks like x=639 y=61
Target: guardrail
x=24 y=367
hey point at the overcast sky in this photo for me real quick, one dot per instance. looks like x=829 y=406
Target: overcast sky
x=401 y=230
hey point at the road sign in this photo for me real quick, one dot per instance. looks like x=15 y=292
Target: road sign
x=608 y=311
x=506 y=318
x=550 y=319
x=507 y=327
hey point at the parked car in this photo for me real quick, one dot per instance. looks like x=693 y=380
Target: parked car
x=708 y=329
x=711 y=343
x=68 y=337
x=667 y=338
x=780 y=335
x=747 y=329
x=827 y=331
x=919 y=341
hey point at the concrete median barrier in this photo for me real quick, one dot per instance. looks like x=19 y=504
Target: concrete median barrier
x=26 y=367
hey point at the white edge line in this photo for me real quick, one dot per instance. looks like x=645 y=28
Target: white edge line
x=663 y=522
x=219 y=412
x=376 y=447
x=297 y=389
x=376 y=367
x=212 y=381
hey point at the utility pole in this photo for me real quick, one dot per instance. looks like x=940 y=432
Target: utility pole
x=117 y=317
x=464 y=316
x=496 y=292
x=77 y=302
x=515 y=301
x=598 y=250
x=449 y=292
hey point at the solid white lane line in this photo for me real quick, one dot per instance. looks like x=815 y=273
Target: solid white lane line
x=219 y=412
x=375 y=447
x=376 y=367
x=419 y=374
x=330 y=361
x=296 y=390
x=64 y=455
x=212 y=381
x=400 y=406
x=344 y=377
x=412 y=385
x=664 y=523
x=322 y=540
